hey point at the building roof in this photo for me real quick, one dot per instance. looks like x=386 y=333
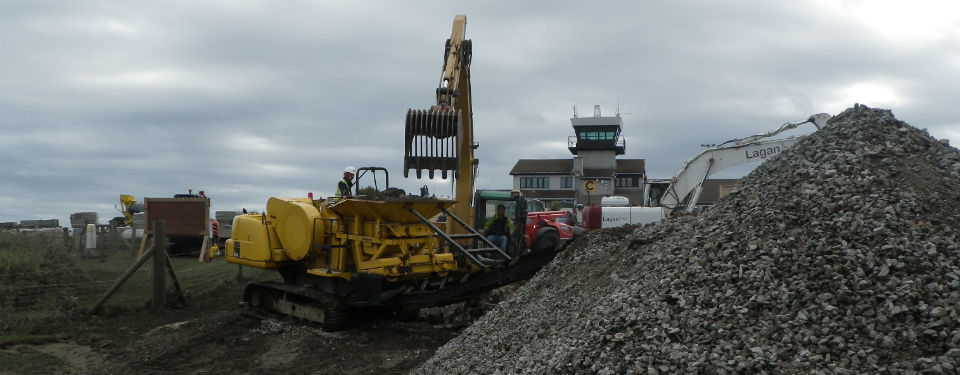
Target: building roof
x=714 y=189
x=631 y=165
x=565 y=166
x=597 y=121
x=542 y=166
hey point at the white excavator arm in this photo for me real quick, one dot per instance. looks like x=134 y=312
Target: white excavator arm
x=689 y=181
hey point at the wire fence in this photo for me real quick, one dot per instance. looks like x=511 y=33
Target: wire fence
x=195 y=279
x=44 y=281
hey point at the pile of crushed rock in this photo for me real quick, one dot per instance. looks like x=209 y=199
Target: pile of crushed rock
x=838 y=256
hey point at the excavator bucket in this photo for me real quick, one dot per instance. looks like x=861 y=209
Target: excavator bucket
x=431 y=141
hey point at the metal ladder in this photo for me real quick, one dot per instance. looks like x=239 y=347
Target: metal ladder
x=487 y=255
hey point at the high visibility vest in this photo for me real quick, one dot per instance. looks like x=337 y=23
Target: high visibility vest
x=343 y=183
x=499 y=225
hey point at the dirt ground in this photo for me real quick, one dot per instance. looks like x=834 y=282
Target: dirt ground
x=232 y=342
x=212 y=335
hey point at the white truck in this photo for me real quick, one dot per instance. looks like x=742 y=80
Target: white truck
x=685 y=187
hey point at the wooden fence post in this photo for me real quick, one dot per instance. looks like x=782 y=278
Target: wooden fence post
x=159 y=263
x=176 y=282
x=123 y=278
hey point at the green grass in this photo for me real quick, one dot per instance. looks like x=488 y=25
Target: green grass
x=46 y=290
x=44 y=286
x=35 y=276
x=194 y=278
x=28 y=361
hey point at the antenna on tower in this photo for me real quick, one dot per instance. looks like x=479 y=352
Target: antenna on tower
x=596 y=110
x=618 y=109
x=574 y=111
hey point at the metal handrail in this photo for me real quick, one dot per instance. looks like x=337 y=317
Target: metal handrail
x=449 y=240
x=474 y=232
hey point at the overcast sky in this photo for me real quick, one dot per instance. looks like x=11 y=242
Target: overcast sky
x=252 y=99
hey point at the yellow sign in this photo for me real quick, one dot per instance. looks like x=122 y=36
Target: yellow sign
x=589 y=186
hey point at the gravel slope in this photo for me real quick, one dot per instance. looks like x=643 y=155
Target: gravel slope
x=840 y=256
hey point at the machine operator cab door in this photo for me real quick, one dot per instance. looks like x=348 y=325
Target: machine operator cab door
x=485 y=204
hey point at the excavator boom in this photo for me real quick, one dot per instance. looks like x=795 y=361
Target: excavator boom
x=689 y=180
x=441 y=138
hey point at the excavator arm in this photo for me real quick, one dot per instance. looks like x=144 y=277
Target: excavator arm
x=441 y=138
x=128 y=207
x=456 y=65
x=689 y=181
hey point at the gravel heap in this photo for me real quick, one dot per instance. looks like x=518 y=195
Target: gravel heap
x=839 y=256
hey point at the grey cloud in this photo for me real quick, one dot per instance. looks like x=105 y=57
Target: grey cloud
x=252 y=99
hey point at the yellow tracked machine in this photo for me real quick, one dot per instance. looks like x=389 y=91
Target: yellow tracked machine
x=359 y=252
x=353 y=252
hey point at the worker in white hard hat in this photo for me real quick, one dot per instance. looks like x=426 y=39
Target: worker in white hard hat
x=346 y=183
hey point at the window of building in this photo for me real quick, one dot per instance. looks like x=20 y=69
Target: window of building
x=534 y=182
x=598 y=136
x=566 y=182
x=625 y=182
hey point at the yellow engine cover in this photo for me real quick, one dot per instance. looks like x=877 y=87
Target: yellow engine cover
x=294 y=219
x=254 y=243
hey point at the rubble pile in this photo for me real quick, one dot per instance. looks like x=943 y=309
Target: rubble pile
x=839 y=255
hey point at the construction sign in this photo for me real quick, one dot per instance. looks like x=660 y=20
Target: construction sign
x=589 y=186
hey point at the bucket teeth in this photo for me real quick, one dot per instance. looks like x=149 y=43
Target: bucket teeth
x=431 y=139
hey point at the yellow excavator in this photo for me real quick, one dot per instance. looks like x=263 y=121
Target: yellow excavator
x=384 y=251
x=128 y=207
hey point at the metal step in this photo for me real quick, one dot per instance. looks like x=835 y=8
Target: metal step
x=488 y=248
x=464 y=236
x=483 y=249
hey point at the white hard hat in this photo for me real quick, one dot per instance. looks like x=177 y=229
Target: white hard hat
x=350 y=170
